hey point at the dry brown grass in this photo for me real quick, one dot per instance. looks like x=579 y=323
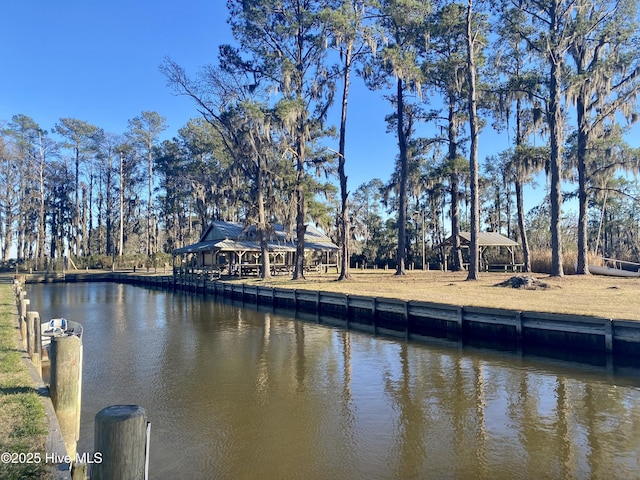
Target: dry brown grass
x=588 y=295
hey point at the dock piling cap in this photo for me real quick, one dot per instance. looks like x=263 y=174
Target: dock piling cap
x=118 y=413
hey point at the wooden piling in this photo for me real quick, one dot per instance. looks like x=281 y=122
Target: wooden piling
x=608 y=335
x=460 y=319
x=518 y=324
x=374 y=313
x=120 y=434
x=24 y=303
x=346 y=309
x=31 y=334
x=407 y=332
x=79 y=471
x=65 y=372
x=33 y=320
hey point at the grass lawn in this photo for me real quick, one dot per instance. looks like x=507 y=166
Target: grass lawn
x=23 y=428
x=609 y=297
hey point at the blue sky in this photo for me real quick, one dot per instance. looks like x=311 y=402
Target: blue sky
x=98 y=61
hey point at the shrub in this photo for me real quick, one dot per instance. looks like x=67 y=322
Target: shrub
x=541 y=261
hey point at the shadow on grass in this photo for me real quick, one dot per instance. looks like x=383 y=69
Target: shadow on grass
x=23 y=390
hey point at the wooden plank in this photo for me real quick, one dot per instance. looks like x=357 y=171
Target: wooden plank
x=493 y=319
x=307 y=295
x=560 y=317
x=356 y=301
x=391 y=305
x=332 y=298
x=284 y=293
x=491 y=311
x=250 y=290
x=264 y=292
x=434 y=311
x=588 y=329
x=626 y=330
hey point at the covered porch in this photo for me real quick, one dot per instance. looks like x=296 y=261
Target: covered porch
x=228 y=248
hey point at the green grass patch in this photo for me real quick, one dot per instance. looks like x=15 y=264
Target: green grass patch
x=23 y=427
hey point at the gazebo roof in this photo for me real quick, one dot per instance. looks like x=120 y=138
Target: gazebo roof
x=237 y=237
x=485 y=239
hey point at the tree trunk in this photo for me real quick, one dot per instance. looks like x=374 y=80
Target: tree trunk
x=265 y=269
x=456 y=251
x=402 y=213
x=76 y=214
x=84 y=249
x=555 y=127
x=150 y=204
x=121 y=236
x=41 y=209
x=301 y=228
x=108 y=211
x=8 y=230
x=583 y=138
x=474 y=261
x=345 y=233
x=526 y=254
x=583 y=246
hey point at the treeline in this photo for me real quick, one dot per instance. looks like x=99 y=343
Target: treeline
x=76 y=189
x=559 y=77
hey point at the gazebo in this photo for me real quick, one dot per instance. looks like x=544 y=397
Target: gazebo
x=486 y=240
x=234 y=248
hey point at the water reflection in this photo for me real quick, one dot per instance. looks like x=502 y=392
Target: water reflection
x=236 y=393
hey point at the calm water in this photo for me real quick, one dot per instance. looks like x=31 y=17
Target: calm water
x=237 y=394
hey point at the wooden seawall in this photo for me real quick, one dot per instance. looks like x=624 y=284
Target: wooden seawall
x=411 y=319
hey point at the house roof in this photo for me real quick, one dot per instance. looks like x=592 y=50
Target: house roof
x=485 y=239
x=234 y=237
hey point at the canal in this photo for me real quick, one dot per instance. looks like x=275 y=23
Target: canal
x=236 y=393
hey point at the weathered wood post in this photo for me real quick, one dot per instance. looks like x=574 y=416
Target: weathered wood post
x=460 y=320
x=518 y=323
x=31 y=334
x=21 y=294
x=33 y=321
x=121 y=436
x=407 y=333
x=24 y=303
x=79 y=471
x=66 y=369
x=374 y=314
x=608 y=335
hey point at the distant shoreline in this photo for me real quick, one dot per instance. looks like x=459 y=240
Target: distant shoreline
x=413 y=319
